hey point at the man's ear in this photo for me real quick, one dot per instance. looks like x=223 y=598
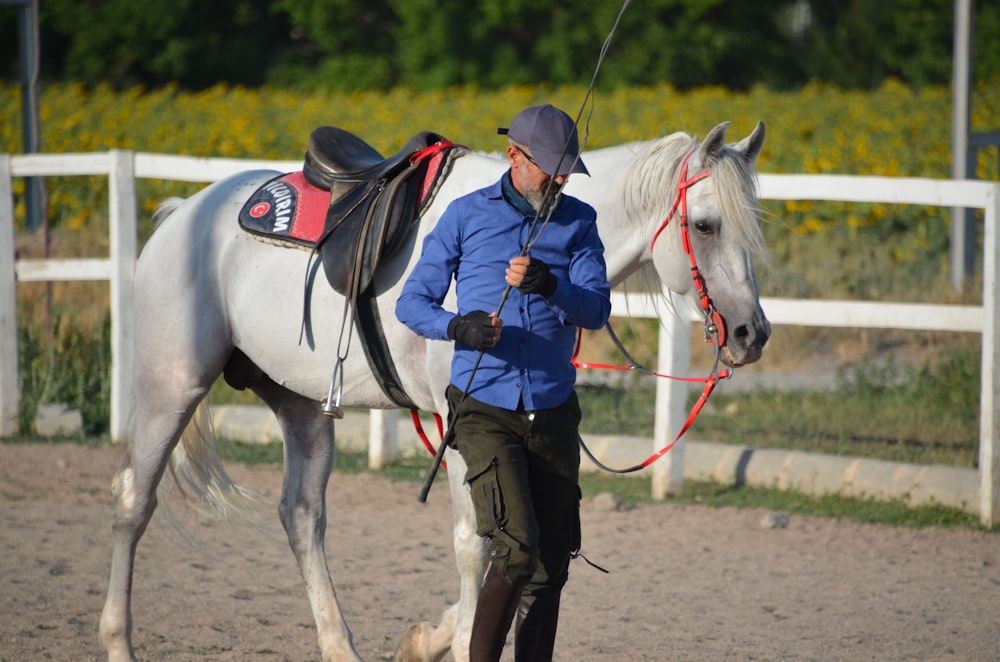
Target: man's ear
x=511 y=152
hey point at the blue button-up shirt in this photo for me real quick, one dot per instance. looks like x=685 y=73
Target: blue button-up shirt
x=473 y=243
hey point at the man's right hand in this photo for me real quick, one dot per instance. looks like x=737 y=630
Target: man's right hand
x=478 y=329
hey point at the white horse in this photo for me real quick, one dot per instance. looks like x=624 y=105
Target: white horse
x=209 y=297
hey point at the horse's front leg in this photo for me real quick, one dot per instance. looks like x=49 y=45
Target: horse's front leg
x=309 y=451
x=425 y=643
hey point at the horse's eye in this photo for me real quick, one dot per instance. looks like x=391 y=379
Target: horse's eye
x=703 y=227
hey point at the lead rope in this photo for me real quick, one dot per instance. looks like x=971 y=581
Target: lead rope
x=534 y=232
x=710 y=383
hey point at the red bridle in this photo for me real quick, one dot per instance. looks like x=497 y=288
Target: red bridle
x=715 y=325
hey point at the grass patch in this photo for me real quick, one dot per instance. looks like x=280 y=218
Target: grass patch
x=636 y=490
x=91 y=441
x=268 y=455
x=68 y=365
x=888 y=411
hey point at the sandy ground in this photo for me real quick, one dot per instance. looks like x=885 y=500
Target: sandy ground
x=686 y=583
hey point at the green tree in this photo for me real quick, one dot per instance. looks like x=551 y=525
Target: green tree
x=338 y=44
x=427 y=43
x=854 y=43
x=693 y=43
x=986 y=60
x=124 y=42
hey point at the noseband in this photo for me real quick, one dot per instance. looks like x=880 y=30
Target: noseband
x=715 y=325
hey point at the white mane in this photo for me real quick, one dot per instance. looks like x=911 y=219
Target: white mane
x=651 y=187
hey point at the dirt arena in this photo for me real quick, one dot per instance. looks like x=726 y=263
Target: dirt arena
x=685 y=582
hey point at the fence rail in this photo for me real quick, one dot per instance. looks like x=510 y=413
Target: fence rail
x=124 y=167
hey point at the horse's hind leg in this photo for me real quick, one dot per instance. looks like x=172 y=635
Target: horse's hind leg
x=309 y=452
x=159 y=419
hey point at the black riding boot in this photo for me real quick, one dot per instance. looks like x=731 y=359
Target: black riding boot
x=495 y=609
x=537 y=619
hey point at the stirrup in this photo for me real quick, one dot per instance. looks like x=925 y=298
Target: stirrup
x=331 y=406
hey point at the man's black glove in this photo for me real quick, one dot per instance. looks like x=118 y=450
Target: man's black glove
x=538 y=279
x=475 y=330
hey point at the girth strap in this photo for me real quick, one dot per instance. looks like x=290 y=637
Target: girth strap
x=377 y=349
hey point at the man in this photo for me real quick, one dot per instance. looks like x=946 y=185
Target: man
x=517 y=426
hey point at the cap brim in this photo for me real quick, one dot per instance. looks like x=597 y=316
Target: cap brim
x=556 y=165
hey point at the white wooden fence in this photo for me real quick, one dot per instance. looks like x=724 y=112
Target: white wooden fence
x=123 y=168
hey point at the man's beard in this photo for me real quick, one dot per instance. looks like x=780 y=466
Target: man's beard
x=536 y=196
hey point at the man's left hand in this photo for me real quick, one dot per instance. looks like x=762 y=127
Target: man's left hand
x=531 y=276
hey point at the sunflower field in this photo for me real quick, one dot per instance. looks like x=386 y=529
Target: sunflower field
x=892 y=131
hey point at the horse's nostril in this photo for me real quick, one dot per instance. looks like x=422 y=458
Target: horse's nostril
x=742 y=332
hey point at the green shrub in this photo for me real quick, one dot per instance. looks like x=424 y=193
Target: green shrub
x=67 y=365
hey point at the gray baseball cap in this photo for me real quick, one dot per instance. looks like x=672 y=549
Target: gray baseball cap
x=548 y=132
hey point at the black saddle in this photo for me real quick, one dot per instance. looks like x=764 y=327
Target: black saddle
x=336 y=159
x=374 y=201
x=374 y=205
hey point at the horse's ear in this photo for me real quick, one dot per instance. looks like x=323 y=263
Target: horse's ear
x=751 y=145
x=714 y=142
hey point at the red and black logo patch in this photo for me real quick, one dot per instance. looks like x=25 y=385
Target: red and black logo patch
x=288 y=208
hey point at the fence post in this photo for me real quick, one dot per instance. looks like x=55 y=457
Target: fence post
x=673 y=358
x=123 y=224
x=383 y=437
x=989 y=385
x=9 y=380
x=963 y=164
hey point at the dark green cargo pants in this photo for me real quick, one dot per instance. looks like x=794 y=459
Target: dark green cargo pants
x=523 y=471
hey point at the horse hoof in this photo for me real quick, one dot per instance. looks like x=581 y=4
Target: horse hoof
x=409 y=649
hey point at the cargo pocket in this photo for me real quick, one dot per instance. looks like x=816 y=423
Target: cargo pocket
x=487 y=498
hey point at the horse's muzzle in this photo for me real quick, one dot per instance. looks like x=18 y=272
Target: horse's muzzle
x=745 y=343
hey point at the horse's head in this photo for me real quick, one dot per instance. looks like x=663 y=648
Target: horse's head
x=703 y=248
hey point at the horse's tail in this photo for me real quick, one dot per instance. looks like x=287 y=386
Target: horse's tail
x=165 y=209
x=201 y=479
